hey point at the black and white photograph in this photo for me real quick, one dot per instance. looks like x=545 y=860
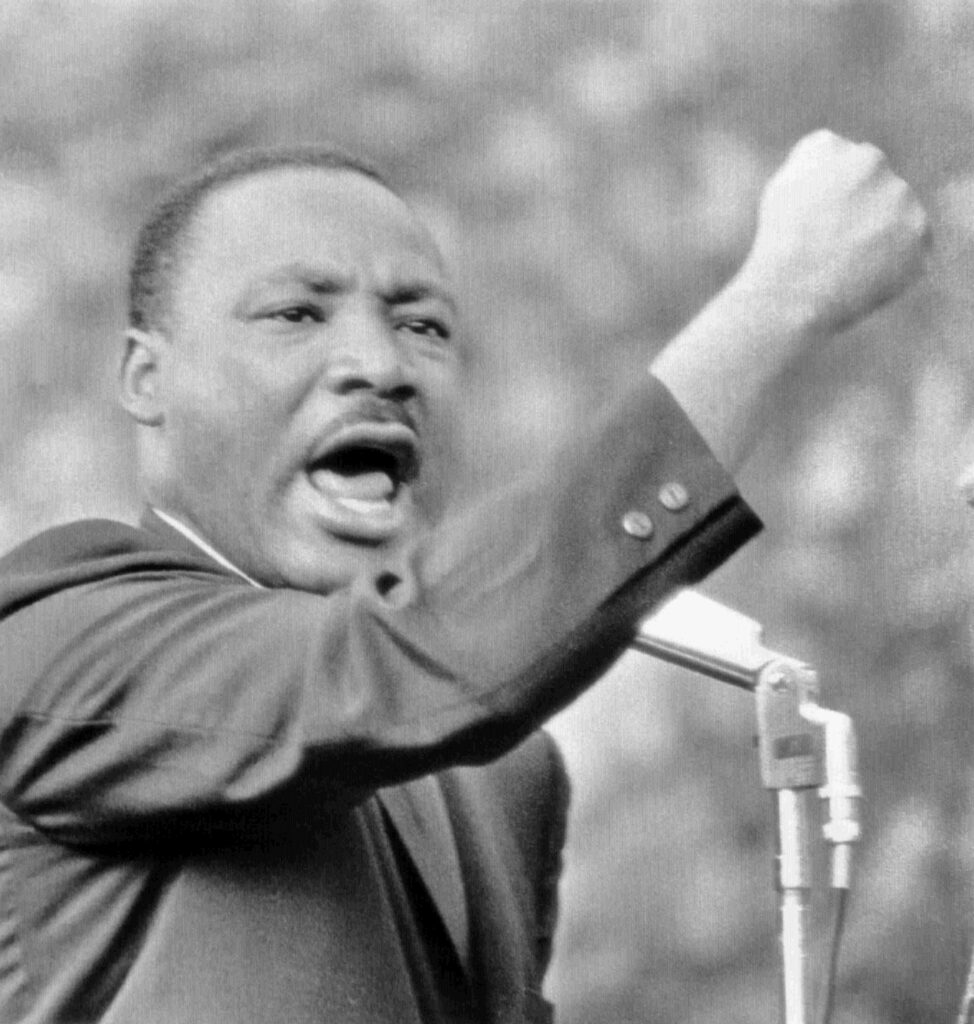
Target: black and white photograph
x=486 y=511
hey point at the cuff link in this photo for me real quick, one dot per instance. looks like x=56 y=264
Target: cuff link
x=638 y=525
x=674 y=497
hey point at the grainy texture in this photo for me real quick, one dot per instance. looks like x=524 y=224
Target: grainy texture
x=592 y=168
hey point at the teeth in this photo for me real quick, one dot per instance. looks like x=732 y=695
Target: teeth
x=367 y=487
x=363 y=506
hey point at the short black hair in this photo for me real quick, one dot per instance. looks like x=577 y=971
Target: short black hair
x=158 y=246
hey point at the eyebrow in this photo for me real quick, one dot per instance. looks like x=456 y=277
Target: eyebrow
x=322 y=280
x=406 y=294
x=330 y=281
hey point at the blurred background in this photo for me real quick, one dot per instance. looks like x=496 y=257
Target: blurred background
x=592 y=169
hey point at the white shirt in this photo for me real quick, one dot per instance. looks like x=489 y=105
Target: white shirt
x=196 y=539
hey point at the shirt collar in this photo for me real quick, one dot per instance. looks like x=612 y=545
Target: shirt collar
x=195 y=538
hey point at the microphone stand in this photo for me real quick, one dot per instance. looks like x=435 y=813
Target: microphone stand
x=802 y=748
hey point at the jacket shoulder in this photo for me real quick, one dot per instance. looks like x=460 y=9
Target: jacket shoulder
x=84 y=552
x=85 y=538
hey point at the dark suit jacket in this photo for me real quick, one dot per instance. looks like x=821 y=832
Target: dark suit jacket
x=207 y=808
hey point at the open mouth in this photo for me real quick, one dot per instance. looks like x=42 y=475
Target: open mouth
x=363 y=474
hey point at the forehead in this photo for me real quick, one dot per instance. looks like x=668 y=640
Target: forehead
x=320 y=216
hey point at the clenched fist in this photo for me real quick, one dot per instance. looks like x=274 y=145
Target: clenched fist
x=838 y=235
x=838 y=232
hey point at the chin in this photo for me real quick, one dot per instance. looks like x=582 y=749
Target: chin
x=322 y=569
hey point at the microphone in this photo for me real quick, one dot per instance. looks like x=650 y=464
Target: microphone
x=700 y=634
x=801 y=746
x=801 y=743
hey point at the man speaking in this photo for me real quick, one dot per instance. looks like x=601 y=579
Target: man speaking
x=273 y=755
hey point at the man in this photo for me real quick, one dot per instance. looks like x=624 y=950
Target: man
x=272 y=756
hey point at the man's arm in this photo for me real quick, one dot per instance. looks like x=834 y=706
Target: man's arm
x=141 y=697
x=145 y=695
x=838 y=235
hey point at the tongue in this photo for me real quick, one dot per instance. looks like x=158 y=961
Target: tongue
x=371 y=486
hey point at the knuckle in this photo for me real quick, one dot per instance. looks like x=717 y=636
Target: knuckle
x=813 y=142
x=901 y=193
x=909 y=215
x=906 y=199
x=871 y=153
x=869 y=161
x=823 y=137
x=922 y=224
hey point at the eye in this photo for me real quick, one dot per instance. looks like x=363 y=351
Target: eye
x=427 y=328
x=301 y=313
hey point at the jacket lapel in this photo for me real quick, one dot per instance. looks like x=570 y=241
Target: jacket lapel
x=417 y=809
x=509 y=845
x=502 y=951
x=419 y=814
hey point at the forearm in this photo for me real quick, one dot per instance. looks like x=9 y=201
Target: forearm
x=172 y=698
x=725 y=366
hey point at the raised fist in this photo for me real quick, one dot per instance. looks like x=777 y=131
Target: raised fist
x=838 y=233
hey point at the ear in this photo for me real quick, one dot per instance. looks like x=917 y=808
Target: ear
x=139 y=376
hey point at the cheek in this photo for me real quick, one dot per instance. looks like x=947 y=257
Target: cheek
x=231 y=395
x=439 y=380
x=221 y=429
x=444 y=439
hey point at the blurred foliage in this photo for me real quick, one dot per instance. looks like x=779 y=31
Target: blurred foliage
x=592 y=168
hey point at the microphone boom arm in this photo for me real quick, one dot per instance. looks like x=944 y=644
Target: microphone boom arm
x=700 y=634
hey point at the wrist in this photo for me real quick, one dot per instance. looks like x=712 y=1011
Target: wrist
x=725 y=367
x=791 y=305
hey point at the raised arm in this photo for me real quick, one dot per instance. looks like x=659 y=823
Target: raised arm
x=139 y=691
x=146 y=691
x=839 y=234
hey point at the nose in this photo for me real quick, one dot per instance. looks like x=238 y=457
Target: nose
x=366 y=355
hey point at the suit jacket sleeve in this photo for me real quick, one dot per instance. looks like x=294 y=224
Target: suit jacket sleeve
x=145 y=690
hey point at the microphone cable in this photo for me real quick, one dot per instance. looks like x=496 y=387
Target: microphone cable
x=840 y=899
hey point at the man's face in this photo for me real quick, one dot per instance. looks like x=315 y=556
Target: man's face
x=309 y=376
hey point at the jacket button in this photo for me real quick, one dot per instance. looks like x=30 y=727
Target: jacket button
x=673 y=497
x=638 y=525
